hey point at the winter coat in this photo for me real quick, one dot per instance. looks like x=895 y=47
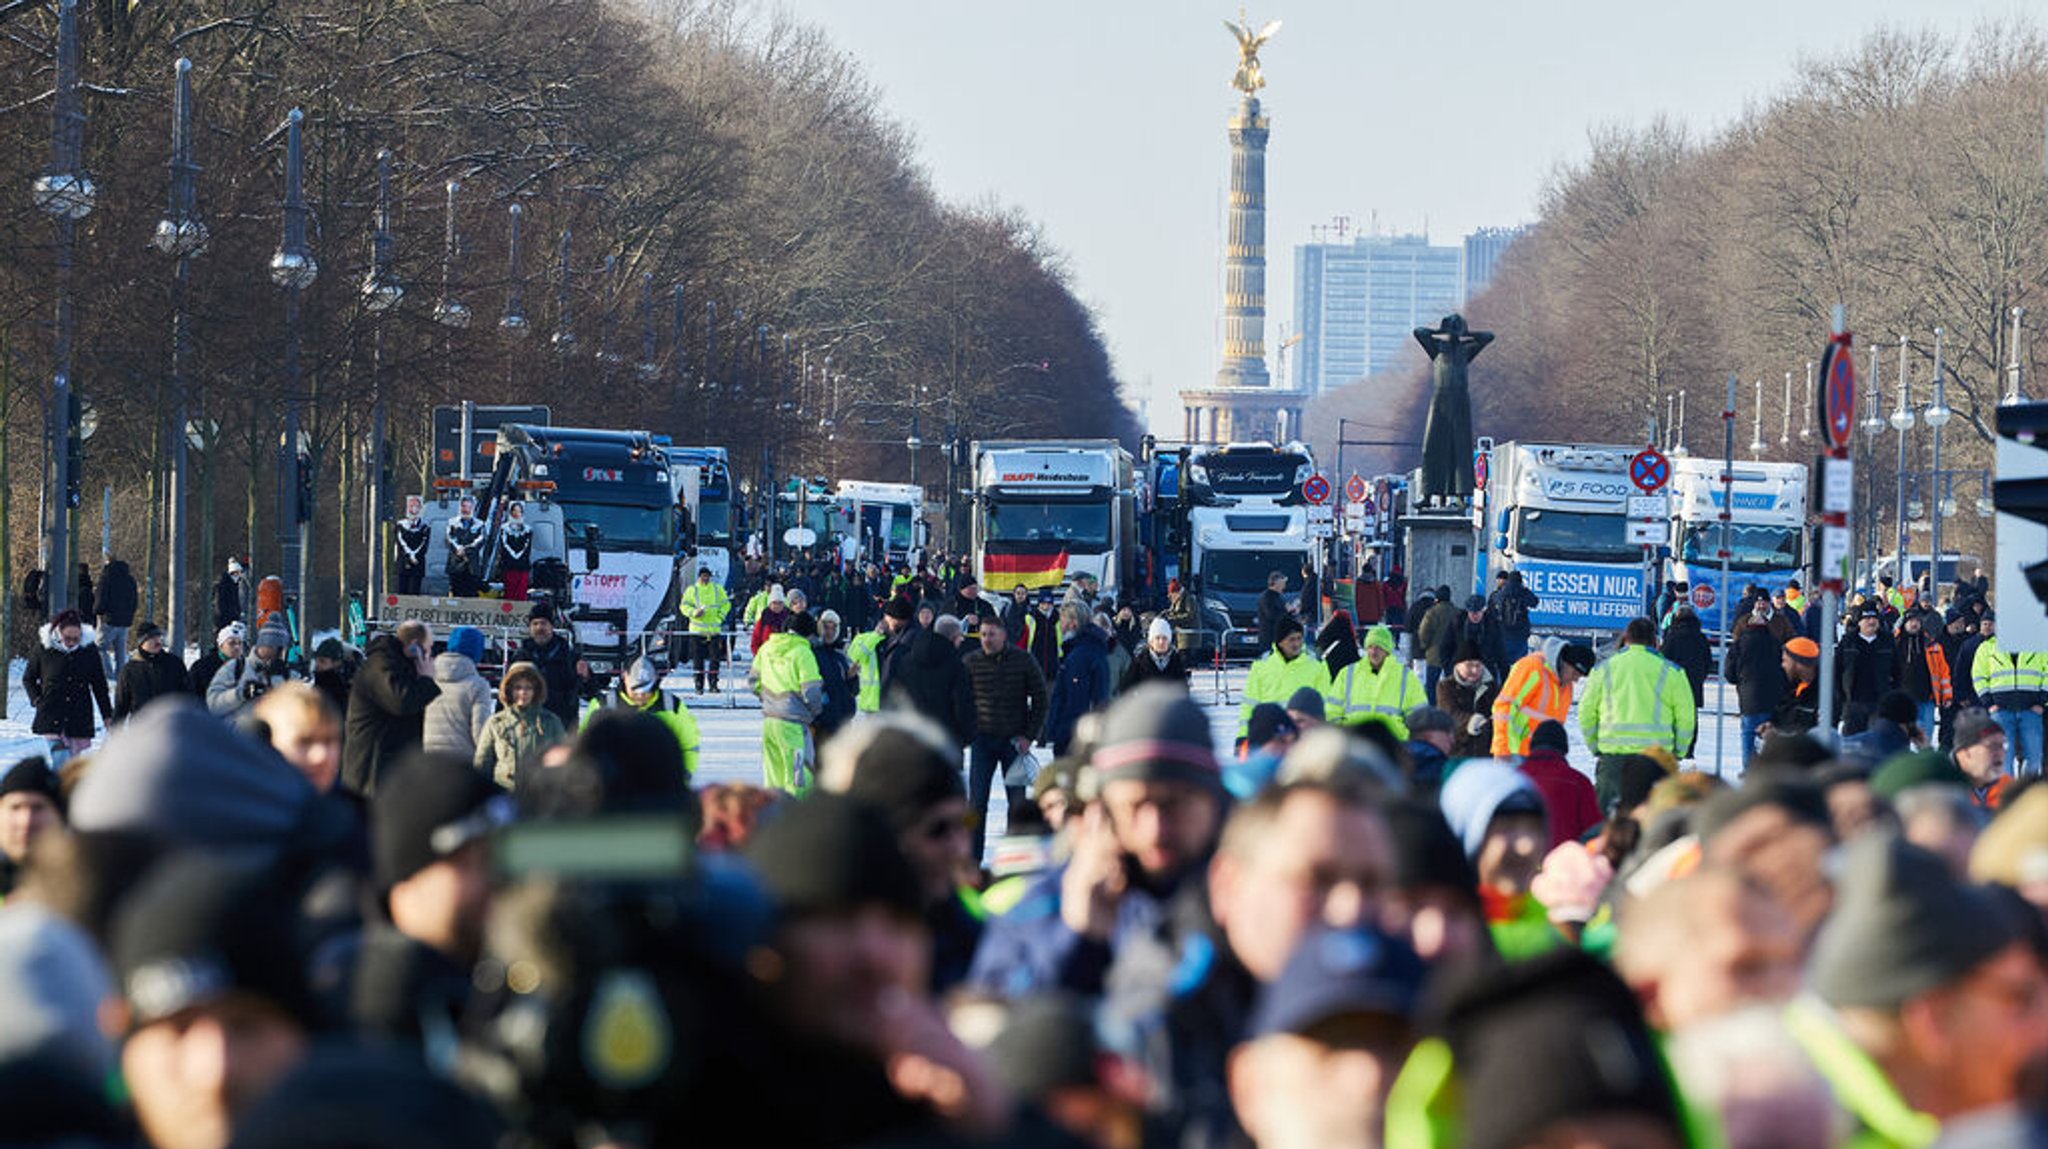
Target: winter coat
x=146 y=676
x=203 y=669
x=557 y=665
x=334 y=684
x=455 y=719
x=82 y=599
x=1272 y=608
x=1119 y=659
x=1082 y=684
x=1010 y=696
x=387 y=709
x=1755 y=667
x=921 y=672
x=1430 y=631
x=65 y=686
x=1462 y=702
x=1311 y=599
x=513 y=737
x=118 y=595
x=1910 y=669
x=1146 y=668
x=1863 y=670
x=840 y=704
x=1337 y=645
x=242 y=681
x=515 y=549
x=1568 y=795
x=1485 y=634
x=1685 y=645
x=227 y=601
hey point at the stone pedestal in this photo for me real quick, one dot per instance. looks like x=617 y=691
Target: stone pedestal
x=1443 y=550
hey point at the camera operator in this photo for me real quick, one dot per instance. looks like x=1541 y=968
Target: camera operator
x=241 y=681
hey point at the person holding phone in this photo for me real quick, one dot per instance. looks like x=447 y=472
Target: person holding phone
x=387 y=704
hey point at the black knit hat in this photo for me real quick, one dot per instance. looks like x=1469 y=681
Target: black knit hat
x=803 y=625
x=1578 y=656
x=1548 y=1040
x=1157 y=733
x=827 y=853
x=1550 y=735
x=1902 y=925
x=144 y=631
x=33 y=776
x=1287 y=627
x=427 y=807
x=900 y=608
x=1466 y=651
x=541 y=609
x=1426 y=852
x=199 y=927
x=900 y=773
x=1791 y=752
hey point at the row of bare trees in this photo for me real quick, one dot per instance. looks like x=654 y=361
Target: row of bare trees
x=1902 y=180
x=712 y=207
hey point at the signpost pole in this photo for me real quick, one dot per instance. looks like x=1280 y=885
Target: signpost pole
x=1727 y=556
x=1838 y=400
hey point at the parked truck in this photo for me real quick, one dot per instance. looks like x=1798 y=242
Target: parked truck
x=1047 y=511
x=1557 y=512
x=1767 y=531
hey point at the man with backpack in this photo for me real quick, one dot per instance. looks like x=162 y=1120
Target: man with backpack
x=1510 y=606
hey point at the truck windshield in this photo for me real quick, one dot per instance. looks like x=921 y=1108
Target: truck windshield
x=1078 y=526
x=1580 y=535
x=1751 y=547
x=1244 y=572
x=714 y=522
x=621 y=528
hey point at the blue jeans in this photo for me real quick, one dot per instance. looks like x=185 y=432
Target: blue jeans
x=986 y=758
x=1927 y=718
x=1751 y=723
x=1429 y=682
x=2022 y=740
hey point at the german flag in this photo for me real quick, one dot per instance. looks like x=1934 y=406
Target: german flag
x=1000 y=573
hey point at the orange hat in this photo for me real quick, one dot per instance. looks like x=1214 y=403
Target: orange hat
x=1804 y=648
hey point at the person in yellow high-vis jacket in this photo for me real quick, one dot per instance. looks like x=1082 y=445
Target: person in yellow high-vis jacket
x=785 y=674
x=2014 y=688
x=639 y=688
x=704 y=605
x=1635 y=700
x=862 y=651
x=1377 y=687
x=1280 y=672
x=1538 y=688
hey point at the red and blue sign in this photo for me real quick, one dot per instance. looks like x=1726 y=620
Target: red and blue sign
x=1317 y=489
x=1354 y=489
x=1649 y=470
x=1838 y=397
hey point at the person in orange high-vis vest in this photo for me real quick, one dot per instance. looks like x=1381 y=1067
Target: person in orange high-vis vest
x=1944 y=687
x=1539 y=688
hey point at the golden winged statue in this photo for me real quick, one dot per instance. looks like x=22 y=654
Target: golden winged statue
x=1249 y=79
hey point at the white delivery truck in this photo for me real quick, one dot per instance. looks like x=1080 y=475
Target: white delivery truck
x=1046 y=511
x=1767 y=531
x=885 y=520
x=1558 y=513
x=1235 y=549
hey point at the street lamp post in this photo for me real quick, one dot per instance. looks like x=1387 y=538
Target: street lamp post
x=1756 y=424
x=294 y=269
x=66 y=194
x=449 y=311
x=1937 y=416
x=564 y=338
x=2015 y=374
x=181 y=235
x=381 y=293
x=1678 y=448
x=513 y=324
x=1873 y=426
x=649 y=368
x=1902 y=422
x=1785 y=415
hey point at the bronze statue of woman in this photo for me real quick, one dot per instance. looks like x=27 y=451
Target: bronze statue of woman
x=1447 y=437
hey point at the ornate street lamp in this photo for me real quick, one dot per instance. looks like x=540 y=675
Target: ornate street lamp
x=293 y=269
x=514 y=323
x=181 y=234
x=381 y=292
x=66 y=194
x=450 y=311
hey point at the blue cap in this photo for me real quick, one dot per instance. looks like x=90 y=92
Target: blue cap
x=1339 y=972
x=468 y=641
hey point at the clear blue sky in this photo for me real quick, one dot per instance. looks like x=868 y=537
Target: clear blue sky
x=1104 y=120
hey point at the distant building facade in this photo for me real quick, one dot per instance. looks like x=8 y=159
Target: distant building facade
x=1357 y=303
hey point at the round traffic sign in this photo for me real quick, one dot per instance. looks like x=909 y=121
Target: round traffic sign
x=1649 y=470
x=1354 y=489
x=1703 y=596
x=1479 y=465
x=1317 y=489
x=1838 y=398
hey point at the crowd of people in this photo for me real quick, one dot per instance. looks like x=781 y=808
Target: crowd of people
x=373 y=901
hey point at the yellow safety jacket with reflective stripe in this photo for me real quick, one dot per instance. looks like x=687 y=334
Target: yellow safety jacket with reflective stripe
x=1359 y=694
x=1993 y=671
x=861 y=652
x=1795 y=601
x=1635 y=700
x=705 y=605
x=785 y=674
x=1883 y=1118
x=672 y=714
x=1275 y=679
x=1531 y=694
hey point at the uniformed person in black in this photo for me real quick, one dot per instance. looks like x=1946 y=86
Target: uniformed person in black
x=465 y=551
x=412 y=548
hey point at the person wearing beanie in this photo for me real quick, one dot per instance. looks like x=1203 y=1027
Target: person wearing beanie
x=704 y=605
x=430 y=827
x=1429 y=631
x=231 y=596
x=387 y=704
x=1154 y=825
x=1977 y=753
x=1498 y=815
x=1476 y=625
x=1376 y=689
x=241 y=681
x=455 y=719
x=1432 y=736
x=1865 y=666
x=1538 y=687
x=66 y=682
x=774 y=617
x=229 y=642
x=1326 y=1041
x=1567 y=795
x=1636 y=700
x=1160 y=658
x=1438 y=911
x=638 y=691
x=1754 y=665
x=919 y=671
x=2012 y=686
x=786 y=678
x=217 y=1006
x=1279 y=672
x=1467 y=692
x=562 y=667
x=904 y=767
x=152 y=672
x=1916 y=979
x=31 y=805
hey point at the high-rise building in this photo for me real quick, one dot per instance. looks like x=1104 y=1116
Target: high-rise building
x=1356 y=304
x=1483 y=249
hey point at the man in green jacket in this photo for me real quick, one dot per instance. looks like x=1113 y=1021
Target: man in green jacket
x=704 y=606
x=785 y=674
x=640 y=689
x=1280 y=672
x=1635 y=700
x=863 y=651
x=1377 y=688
